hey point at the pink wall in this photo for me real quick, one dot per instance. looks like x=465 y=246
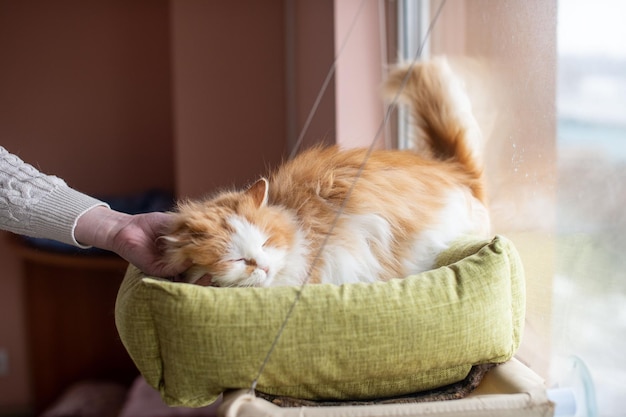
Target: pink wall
x=360 y=110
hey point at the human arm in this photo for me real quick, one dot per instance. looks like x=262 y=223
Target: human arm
x=39 y=205
x=133 y=237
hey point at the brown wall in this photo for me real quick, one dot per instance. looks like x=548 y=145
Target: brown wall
x=86 y=91
x=229 y=92
x=310 y=51
x=85 y=95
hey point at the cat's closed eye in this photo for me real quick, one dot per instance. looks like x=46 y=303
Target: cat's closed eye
x=249 y=262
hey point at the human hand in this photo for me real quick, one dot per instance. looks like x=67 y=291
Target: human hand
x=133 y=237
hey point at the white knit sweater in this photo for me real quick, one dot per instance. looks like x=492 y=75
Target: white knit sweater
x=39 y=205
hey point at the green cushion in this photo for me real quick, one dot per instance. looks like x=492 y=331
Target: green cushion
x=355 y=341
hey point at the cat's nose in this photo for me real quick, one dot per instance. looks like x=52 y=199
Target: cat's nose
x=265 y=269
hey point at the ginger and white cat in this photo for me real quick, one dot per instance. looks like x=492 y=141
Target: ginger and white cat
x=312 y=220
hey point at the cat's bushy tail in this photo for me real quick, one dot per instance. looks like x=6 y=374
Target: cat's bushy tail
x=441 y=112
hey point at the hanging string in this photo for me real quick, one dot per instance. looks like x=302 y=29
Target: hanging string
x=370 y=149
x=382 y=41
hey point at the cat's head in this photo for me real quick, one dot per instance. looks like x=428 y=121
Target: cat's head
x=236 y=238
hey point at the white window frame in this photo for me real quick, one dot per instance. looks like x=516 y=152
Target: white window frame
x=412 y=32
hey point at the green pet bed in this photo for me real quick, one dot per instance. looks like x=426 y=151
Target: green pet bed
x=348 y=342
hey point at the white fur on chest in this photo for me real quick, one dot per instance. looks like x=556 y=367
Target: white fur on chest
x=350 y=257
x=462 y=214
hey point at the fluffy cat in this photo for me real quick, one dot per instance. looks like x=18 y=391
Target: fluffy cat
x=312 y=220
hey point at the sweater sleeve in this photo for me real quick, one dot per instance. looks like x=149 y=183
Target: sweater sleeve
x=39 y=205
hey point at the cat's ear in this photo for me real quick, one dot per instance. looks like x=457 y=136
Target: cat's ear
x=178 y=235
x=259 y=191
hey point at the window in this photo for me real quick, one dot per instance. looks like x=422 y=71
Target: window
x=590 y=285
x=556 y=162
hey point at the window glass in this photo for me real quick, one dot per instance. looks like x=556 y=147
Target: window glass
x=556 y=165
x=590 y=283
